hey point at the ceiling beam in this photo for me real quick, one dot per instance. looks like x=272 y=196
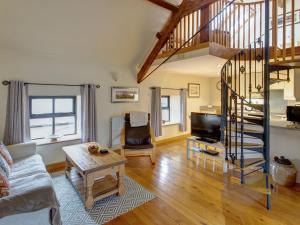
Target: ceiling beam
x=186 y=7
x=165 y=5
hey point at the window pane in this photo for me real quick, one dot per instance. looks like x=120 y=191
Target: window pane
x=63 y=105
x=164 y=102
x=42 y=106
x=40 y=128
x=65 y=125
x=165 y=115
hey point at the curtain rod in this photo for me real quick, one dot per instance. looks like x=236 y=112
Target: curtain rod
x=175 y=89
x=6 y=82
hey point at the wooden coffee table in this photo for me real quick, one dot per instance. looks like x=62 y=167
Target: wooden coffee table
x=92 y=174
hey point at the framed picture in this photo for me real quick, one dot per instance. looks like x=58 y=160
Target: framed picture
x=194 y=90
x=124 y=94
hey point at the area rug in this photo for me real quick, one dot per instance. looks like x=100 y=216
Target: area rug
x=72 y=208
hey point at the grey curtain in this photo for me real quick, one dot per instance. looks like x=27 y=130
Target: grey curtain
x=183 y=110
x=89 y=117
x=17 y=115
x=156 y=119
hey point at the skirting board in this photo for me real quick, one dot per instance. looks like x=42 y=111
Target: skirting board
x=172 y=139
x=56 y=167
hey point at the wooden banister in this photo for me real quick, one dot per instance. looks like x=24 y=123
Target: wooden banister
x=237 y=28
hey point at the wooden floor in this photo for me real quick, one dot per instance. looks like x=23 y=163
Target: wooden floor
x=188 y=194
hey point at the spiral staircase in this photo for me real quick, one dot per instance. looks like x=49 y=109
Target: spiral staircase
x=258 y=54
x=246 y=78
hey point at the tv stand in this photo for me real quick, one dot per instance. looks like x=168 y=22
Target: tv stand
x=211 y=150
x=208 y=140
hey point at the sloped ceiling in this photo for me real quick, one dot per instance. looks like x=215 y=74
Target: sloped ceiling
x=118 y=32
x=204 y=66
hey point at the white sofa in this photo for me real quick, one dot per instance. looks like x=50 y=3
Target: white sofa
x=28 y=169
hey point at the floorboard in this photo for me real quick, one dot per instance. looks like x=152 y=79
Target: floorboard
x=189 y=194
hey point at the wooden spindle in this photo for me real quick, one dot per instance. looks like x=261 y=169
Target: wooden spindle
x=284 y=30
x=230 y=16
x=254 y=33
x=293 y=30
x=249 y=25
x=193 y=27
x=234 y=8
x=189 y=30
x=197 y=27
x=274 y=28
x=260 y=19
x=184 y=30
x=223 y=23
x=238 y=26
x=244 y=26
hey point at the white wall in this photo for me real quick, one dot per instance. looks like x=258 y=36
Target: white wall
x=285 y=142
x=54 y=69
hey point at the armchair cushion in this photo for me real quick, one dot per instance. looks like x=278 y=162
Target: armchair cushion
x=137 y=135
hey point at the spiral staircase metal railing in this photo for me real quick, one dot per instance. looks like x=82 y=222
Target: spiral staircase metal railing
x=246 y=78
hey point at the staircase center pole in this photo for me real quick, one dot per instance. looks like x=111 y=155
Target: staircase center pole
x=267 y=99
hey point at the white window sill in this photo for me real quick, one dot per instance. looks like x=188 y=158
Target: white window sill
x=170 y=124
x=47 y=141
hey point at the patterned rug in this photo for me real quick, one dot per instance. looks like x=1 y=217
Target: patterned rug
x=73 y=212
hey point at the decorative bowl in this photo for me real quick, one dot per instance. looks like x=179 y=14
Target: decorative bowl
x=93 y=148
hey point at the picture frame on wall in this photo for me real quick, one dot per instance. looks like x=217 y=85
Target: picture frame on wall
x=124 y=94
x=194 y=90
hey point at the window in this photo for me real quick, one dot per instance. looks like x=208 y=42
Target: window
x=165 y=109
x=52 y=115
x=170 y=109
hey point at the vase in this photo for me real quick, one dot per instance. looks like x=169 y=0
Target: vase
x=284 y=175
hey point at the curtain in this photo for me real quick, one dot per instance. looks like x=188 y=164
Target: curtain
x=183 y=110
x=17 y=115
x=156 y=119
x=89 y=122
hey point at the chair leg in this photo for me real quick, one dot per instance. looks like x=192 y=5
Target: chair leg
x=122 y=152
x=153 y=157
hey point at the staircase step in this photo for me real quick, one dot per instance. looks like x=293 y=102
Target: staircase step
x=256 y=106
x=249 y=132
x=255 y=182
x=248 y=145
x=249 y=163
x=253 y=119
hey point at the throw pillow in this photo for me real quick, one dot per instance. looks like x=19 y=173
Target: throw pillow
x=4 y=184
x=5 y=153
x=4 y=166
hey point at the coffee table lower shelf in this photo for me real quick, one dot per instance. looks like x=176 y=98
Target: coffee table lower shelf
x=102 y=187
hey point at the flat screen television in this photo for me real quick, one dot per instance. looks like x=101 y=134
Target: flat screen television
x=293 y=113
x=205 y=125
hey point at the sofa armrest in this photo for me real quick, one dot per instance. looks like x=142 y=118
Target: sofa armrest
x=23 y=150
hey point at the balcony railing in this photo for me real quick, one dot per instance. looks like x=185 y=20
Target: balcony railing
x=239 y=25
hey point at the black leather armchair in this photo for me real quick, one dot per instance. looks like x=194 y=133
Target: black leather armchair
x=137 y=141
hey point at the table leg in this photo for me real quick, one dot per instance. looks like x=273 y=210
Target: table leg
x=188 y=149
x=120 y=176
x=68 y=168
x=88 y=191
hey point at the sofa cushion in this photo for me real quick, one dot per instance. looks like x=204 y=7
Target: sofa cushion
x=29 y=194
x=5 y=153
x=27 y=166
x=4 y=184
x=4 y=166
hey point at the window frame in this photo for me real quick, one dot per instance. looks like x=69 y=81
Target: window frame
x=167 y=108
x=54 y=115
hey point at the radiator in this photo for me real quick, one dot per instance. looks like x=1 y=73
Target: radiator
x=117 y=124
